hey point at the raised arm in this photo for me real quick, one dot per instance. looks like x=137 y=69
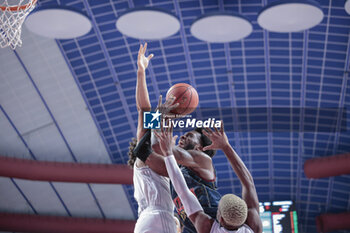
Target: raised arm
x=142 y=99
x=249 y=195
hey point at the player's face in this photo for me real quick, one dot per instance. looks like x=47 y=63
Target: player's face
x=189 y=140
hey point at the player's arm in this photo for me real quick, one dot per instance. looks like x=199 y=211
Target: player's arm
x=197 y=160
x=194 y=159
x=249 y=195
x=142 y=99
x=152 y=159
x=192 y=207
x=156 y=161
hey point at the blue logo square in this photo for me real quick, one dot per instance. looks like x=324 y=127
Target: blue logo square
x=151 y=120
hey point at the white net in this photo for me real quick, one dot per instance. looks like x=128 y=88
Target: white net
x=12 y=16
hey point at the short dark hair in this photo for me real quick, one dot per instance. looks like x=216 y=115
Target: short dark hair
x=205 y=141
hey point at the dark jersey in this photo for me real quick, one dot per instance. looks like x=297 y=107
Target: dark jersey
x=206 y=193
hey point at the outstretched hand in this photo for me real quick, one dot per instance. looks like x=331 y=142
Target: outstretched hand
x=218 y=137
x=166 y=140
x=167 y=106
x=142 y=61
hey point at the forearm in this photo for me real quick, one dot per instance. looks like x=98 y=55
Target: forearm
x=156 y=163
x=142 y=98
x=249 y=194
x=188 y=199
x=142 y=101
x=182 y=156
x=238 y=166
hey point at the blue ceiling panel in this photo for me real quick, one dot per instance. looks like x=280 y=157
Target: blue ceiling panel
x=278 y=84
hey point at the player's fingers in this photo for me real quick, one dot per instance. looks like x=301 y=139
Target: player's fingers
x=168 y=128
x=156 y=134
x=161 y=127
x=169 y=101
x=207 y=148
x=150 y=57
x=222 y=126
x=159 y=101
x=205 y=133
x=145 y=48
x=139 y=53
x=216 y=129
x=173 y=106
x=171 y=128
x=172 y=100
x=208 y=130
x=175 y=138
x=140 y=49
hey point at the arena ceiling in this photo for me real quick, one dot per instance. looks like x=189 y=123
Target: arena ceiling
x=278 y=94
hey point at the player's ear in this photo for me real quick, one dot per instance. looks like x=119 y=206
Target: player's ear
x=198 y=147
x=221 y=221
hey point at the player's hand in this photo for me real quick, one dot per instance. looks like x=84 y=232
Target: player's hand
x=218 y=137
x=142 y=61
x=166 y=140
x=167 y=106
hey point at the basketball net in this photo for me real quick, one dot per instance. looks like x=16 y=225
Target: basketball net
x=12 y=16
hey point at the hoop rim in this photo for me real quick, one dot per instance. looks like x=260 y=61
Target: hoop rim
x=17 y=8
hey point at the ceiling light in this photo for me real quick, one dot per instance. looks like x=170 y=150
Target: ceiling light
x=290 y=15
x=148 y=23
x=221 y=27
x=58 y=22
x=347 y=6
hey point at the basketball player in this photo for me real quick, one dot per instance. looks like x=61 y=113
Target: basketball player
x=197 y=164
x=197 y=168
x=234 y=214
x=152 y=193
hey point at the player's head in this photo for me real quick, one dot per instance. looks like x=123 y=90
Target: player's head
x=195 y=139
x=232 y=212
x=132 y=156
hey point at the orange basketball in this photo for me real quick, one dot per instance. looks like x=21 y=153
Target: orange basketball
x=186 y=95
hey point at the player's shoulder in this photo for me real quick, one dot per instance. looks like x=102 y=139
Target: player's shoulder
x=199 y=154
x=201 y=159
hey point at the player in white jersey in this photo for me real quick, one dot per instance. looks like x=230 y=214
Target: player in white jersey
x=155 y=204
x=234 y=214
x=152 y=191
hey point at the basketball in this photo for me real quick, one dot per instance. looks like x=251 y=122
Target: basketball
x=186 y=96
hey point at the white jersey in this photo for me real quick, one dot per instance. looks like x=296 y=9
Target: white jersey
x=216 y=228
x=156 y=208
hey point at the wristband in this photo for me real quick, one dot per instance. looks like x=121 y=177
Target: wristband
x=143 y=149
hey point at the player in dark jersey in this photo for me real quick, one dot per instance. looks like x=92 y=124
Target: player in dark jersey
x=205 y=189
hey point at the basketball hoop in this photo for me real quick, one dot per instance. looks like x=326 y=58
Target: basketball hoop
x=12 y=16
